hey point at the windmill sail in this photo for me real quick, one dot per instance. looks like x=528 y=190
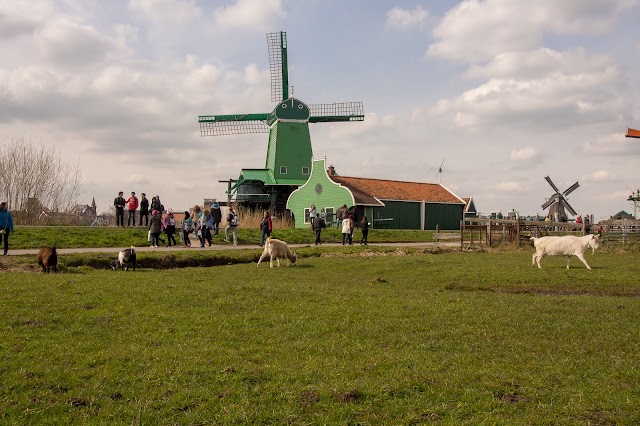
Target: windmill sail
x=571 y=188
x=233 y=124
x=335 y=112
x=566 y=205
x=277 y=46
x=553 y=185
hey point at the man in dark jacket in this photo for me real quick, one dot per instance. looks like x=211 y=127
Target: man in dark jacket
x=217 y=217
x=318 y=225
x=144 y=209
x=119 y=203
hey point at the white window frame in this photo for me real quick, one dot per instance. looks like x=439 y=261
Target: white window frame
x=283 y=170
x=333 y=213
x=308 y=169
x=307 y=215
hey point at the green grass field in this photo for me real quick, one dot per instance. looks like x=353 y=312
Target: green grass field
x=83 y=236
x=349 y=337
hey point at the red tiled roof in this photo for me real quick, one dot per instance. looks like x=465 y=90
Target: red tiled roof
x=364 y=190
x=632 y=133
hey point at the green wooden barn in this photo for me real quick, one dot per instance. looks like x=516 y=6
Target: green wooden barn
x=388 y=204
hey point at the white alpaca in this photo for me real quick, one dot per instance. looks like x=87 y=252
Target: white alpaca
x=277 y=249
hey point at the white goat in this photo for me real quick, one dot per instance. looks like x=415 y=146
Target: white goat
x=568 y=245
x=277 y=249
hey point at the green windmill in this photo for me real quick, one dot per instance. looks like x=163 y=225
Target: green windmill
x=289 y=151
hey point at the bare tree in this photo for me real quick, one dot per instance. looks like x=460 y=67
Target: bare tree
x=35 y=177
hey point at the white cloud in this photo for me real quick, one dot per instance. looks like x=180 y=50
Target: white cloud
x=403 y=19
x=175 y=12
x=550 y=100
x=524 y=155
x=67 y=43
x=598 y=176
x=249 y=14
x=613 y=144
x=526 y=65
x=508 y=187
x=475 y=31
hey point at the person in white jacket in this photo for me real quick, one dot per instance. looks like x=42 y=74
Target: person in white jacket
x=347 y=229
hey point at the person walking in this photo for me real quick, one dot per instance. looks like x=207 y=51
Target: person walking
x=155 y=228
x=347 y=227
x=133 y=205
x=206 y=223
x=318 y=225
x=119 y=203
x=364 y=227
x=187 y=228
x=341 y=214
x=169 y=223
x=312 y=214
x=196 y=215
x=233 y=220
x=6 y=226
x=216 y=212
x=266 y=225
x=144 y=209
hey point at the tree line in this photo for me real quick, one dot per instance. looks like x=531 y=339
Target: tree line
x=34 y=178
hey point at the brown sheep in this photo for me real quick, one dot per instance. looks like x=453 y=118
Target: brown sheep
x=48 y=258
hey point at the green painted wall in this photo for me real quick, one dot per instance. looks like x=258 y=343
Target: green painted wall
x=448 y=216
x=406 y=215
x=319 y=190
x=290 y=146
x=397 y=215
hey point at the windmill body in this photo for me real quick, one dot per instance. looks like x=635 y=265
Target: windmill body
x=289 y=151
x=558 y=204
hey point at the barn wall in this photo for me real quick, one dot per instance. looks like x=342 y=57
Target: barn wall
x=397 y=215
x=447 y=216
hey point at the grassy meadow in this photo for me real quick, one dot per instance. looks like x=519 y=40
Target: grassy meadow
x=349 y=336
x=30 y=237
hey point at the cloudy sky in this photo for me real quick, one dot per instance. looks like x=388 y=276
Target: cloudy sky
x=505 y=91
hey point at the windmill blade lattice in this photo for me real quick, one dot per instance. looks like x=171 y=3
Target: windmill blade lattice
x=338 y=111
x=232 y=128
x=277 y=46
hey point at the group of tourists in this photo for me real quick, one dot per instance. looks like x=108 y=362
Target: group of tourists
x=131 y=204
x=205 y=225
x=345 y=219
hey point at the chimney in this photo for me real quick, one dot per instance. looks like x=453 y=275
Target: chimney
x=331 y=170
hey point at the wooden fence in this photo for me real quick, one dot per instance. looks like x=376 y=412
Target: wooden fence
x=474 y=231
x=623 y=231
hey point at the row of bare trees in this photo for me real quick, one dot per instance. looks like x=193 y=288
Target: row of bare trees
x=33 y=179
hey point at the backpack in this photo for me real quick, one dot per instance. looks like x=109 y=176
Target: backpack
x=235 y=220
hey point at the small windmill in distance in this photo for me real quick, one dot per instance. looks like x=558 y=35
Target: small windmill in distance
x=439 y=174
x=557 y=203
